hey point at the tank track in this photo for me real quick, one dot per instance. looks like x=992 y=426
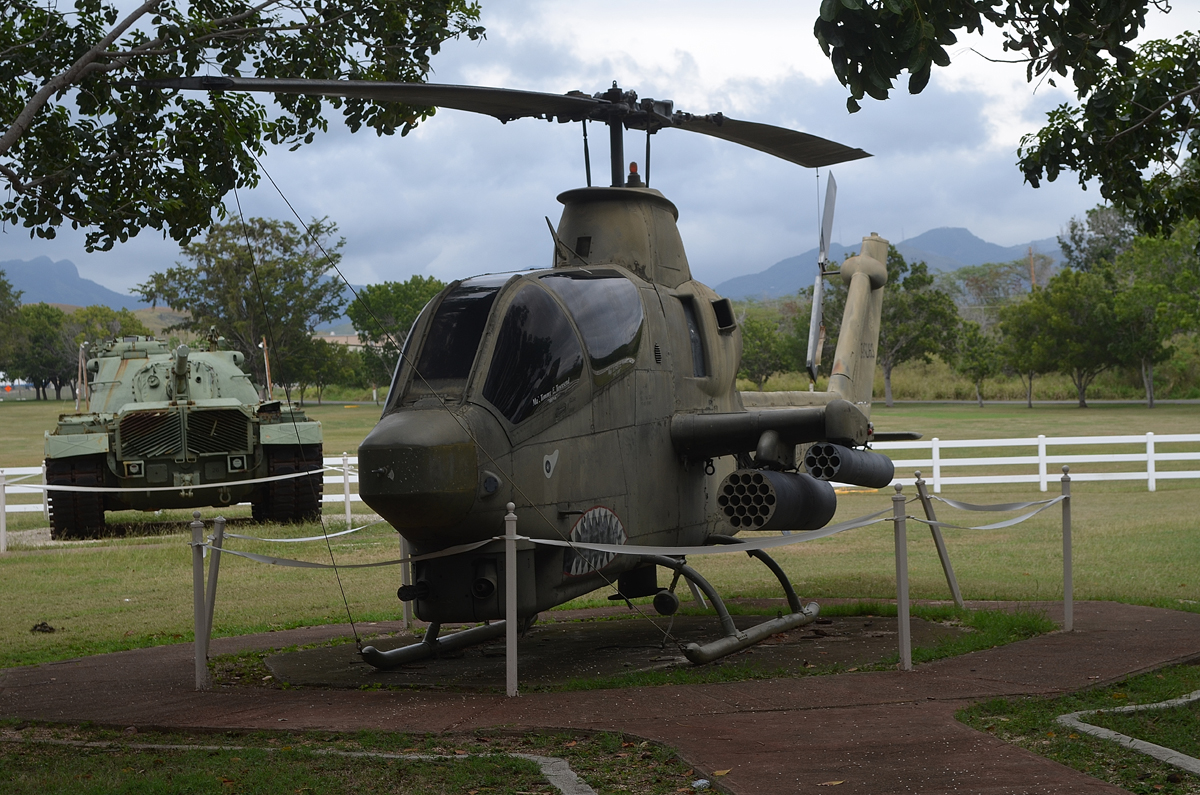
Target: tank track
x=293 y=500
x=76 y=514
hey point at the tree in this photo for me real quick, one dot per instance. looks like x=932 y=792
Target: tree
x=1156 y=298
x=1136 y=108
x=332 y=364
x=41 y=357
x=98 y=323
x=383 y=315
x=1019 y=349
x=981 y=291
x=257 y=279
x=10 y=306
x=1071 y=325
x=975 y=355
x=764 y=351
x=83 y=144
x=918 y=319
x=1101 y=237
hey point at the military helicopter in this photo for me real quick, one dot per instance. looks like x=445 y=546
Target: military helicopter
x=599 y=394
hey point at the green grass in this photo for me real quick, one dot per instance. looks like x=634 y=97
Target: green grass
x=1030 y=723
x=1130 y=546
x=274 y=762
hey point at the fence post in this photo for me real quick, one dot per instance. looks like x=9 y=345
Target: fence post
x=936 y=453
x=510 y=597
x=902 y=580
x=3 y=514
x=1068 y=595
x=214 y=568
x=200 y=645
x=346 y=487
x=1042 y=462
x=936 y=531
x=406 y=579
x=45 y=495
x=1150 y=480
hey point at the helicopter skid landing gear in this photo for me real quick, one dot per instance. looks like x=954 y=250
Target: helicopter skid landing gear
x=431 y=645
x=735 y=639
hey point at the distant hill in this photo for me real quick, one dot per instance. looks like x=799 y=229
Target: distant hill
x=44 y=280
x=943 y=249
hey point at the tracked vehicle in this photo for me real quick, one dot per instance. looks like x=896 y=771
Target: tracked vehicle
x=175 y=422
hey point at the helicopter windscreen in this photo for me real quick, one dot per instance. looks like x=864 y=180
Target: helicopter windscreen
x=452 y=338
x=608 y=312
x=537 y=356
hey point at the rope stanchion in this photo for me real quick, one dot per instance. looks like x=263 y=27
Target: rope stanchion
x=901 y=540
x=1068 y=585
x=200 y=642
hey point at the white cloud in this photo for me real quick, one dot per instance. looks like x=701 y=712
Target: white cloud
x=465 y=194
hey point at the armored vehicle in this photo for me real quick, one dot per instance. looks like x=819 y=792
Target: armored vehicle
x=175 y=422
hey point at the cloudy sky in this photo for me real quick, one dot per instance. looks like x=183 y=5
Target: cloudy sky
x=465 y=194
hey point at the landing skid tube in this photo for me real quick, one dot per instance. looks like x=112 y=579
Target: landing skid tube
x=735 y=639
x=431 y=645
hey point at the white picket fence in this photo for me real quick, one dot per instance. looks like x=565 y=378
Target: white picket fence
x=1041 y=464
x=1038 y=464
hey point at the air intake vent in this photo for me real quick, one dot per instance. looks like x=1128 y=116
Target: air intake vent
x=219 y=431
x=149 y=434
x=657 y=354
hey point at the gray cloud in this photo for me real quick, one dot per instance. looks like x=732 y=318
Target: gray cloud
x=465 y=194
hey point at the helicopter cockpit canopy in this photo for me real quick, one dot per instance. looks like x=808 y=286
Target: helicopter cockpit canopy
x=551 y=330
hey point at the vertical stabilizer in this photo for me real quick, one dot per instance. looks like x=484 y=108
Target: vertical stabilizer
x=853 y=374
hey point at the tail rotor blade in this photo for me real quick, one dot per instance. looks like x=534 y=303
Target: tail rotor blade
x=827 y=220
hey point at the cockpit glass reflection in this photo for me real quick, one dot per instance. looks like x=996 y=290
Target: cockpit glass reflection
x=537 y=356
x=608 y=311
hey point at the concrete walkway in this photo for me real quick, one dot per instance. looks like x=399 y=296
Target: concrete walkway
x=889 y=732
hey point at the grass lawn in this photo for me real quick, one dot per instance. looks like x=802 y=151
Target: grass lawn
x=1030 y=723
x=1130 y=545
x=49 y=759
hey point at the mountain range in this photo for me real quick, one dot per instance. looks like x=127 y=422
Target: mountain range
x=943 y=249
x=43 y=280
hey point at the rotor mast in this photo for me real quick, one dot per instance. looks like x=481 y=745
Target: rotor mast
x=616 y=132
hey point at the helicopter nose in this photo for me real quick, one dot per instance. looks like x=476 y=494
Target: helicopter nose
x=418 y=469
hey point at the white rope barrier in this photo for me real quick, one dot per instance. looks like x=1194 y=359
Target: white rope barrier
x=306 y=538
x=181 y=487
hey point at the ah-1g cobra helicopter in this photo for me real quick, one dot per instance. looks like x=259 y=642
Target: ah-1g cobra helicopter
x=596 y=394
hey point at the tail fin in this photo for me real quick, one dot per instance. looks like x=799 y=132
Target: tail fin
x=853 y=374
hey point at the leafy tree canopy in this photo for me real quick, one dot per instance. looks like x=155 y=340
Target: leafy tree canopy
x=1100 y=237
x=98 y=323
x=764 y=351
x=261 y=278
x=1132 y=129
x=10 y=304
x=81 y=144
x=383 y=314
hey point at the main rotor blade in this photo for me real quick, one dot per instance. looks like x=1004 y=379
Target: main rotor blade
x=503 y=103
x=795 y=147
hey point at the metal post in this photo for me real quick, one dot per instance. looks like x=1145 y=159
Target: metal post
x=902 y=580
x=1151 y=484
x=943 y=555
x=1068 y=593
x=936 y=452
x=406 y=579
x=346 y=486
x=1042 y=462
x=3 y=514
x=201 y=647
x=510 y=597
x=214 y=568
